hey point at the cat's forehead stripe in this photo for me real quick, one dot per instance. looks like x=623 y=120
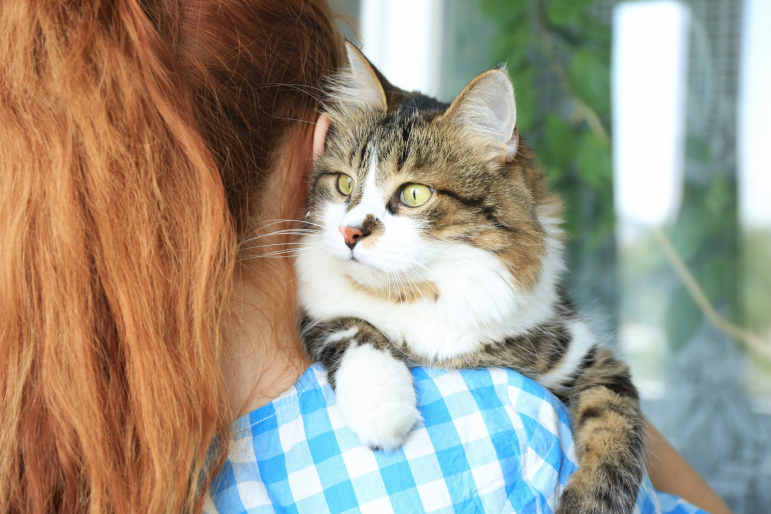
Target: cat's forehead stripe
x=365 y=177
x=369 y=202
x=406 y=136
x=364 y=152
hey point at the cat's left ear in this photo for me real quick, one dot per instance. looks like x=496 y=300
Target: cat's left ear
x=358 y=84
x=485 y=109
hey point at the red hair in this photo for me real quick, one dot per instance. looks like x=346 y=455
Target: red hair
x=133 y=142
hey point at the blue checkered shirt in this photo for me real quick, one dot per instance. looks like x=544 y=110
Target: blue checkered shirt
x=491 y=441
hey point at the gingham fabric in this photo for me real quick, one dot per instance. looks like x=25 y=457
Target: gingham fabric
x=492 y=441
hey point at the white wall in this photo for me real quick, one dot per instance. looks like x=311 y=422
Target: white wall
x=754 y=134
x=403 y=39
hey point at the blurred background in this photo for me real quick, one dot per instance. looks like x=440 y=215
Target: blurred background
x=653 y=120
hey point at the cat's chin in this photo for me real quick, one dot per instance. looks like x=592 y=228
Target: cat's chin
x=391 y=286
x=367 y=277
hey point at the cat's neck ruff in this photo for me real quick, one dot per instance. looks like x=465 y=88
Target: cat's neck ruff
x=477 y=300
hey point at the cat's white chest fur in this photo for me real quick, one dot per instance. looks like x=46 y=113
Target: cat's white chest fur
x=477 y=303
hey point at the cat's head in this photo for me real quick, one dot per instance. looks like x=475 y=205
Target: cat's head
x=401 y=181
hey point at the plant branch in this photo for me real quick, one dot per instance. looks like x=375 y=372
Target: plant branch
x=582 y=111
x=750 y=341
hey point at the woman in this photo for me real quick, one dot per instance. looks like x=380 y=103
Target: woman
x=141 y=143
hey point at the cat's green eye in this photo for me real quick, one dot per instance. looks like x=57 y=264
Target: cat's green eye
x=415 y=195
x=344 y=184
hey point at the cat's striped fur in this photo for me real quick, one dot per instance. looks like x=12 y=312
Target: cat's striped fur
x=469 y=279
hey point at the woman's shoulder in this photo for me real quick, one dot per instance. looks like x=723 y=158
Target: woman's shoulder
x=443 y=395
x=489 y=437
x=491 y=440
x=457 y=407
x=491 y=393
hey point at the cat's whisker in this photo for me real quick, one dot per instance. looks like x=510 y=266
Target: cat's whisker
x=256 y=230
x=269 y=223
x=280 y=233
x=284 y=244
x=425 y=268
x=400 y=286
x=403 y=288
x=425 y=306
x=455 y=255
x=388 y=281
x=279 y=220
x=311 y=230
x=287 y=251
x=279 y=255
x=413 y=286
x=284 y=248
x=428 y=284
x=298 y=230
x=252 y=245
x=393 y=281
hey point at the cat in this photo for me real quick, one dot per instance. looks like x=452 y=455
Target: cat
x=434 y=240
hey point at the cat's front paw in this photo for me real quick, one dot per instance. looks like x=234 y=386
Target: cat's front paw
x=376 y=395
x=589 y=493
x=382 y=426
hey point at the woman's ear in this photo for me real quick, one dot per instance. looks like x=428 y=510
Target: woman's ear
x=320 y=136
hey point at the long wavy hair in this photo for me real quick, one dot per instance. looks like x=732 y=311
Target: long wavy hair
x=134 y=138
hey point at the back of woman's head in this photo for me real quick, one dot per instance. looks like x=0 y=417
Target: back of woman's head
x=134 y=137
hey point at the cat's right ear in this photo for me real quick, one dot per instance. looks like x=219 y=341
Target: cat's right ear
x=358 y=86
x=486 y=111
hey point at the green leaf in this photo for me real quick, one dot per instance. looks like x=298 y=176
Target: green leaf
x=718 y=196
x=594 y=161
x=560 y=142
x=714 y=276
x=595 y=31
x=682 y=319
x=602 y=232
x=561 y=12
x=511 y=47
x=524 y=93
x=570 y=197
x=503 y=11
x=590 y=76
x=553 y=173
x=688 y=232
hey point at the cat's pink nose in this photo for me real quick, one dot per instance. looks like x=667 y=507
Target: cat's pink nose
x=351 y=235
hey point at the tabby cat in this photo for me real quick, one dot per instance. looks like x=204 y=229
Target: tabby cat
x=435 y=241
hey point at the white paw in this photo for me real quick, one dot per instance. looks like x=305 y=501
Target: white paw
x=376 y=396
